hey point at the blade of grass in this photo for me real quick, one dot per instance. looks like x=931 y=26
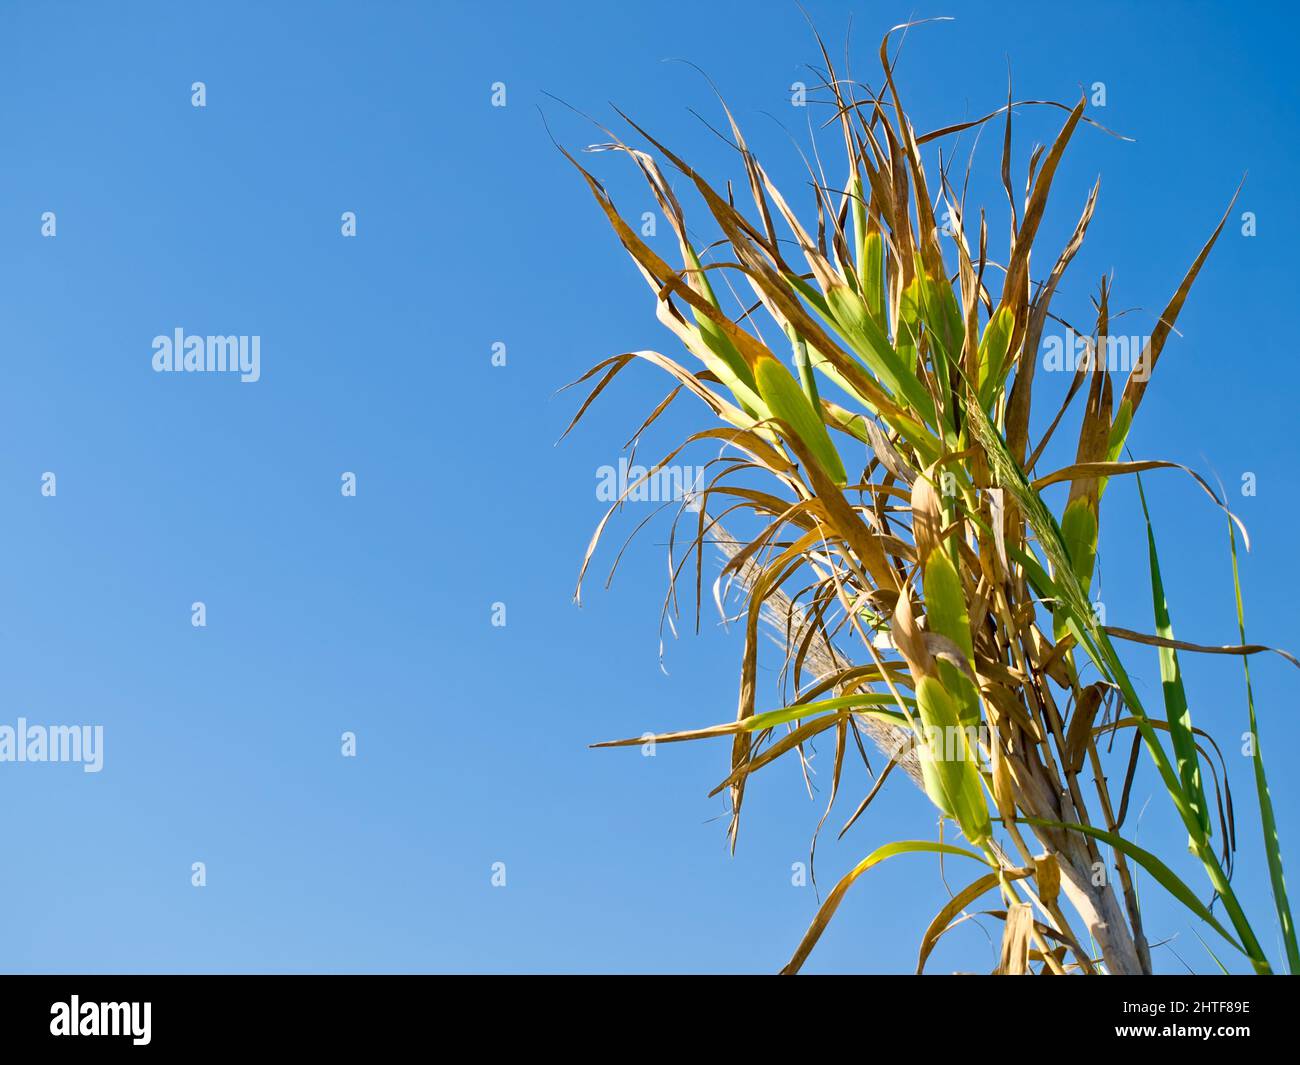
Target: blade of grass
x=1268 y=821
x=1176 y=710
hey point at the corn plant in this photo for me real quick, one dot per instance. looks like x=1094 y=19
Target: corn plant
x=923 y=592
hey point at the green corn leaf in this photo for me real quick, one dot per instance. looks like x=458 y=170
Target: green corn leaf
x=1268 y=821
x=1079 y=535
x=858 y=213
x=946 y=603
x=993 y=355
x=952 y=783
x=844 y=312
x=1171 y=677
x=946 y=614
x=1119 y=433
x=807 y=380
x=771 y=718
x=871 y=269
x=717 y=352
x=942 y=319
x=788 y=403
x=907 y=330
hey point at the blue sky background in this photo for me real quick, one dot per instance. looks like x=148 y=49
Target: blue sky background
x=372 y=614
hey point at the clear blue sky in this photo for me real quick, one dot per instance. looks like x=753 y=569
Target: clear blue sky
x=372 y=613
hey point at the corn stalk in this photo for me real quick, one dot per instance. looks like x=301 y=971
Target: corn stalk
x=929 y=598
